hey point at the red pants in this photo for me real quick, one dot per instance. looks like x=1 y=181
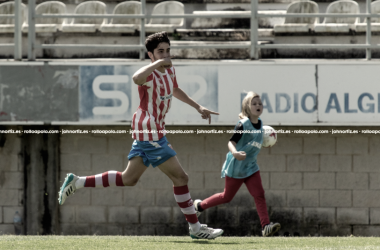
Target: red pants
x=232 y=185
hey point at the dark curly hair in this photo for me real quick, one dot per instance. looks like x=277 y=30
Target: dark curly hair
x=154 y=40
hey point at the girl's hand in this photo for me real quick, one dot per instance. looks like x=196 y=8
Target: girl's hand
x=239 y=155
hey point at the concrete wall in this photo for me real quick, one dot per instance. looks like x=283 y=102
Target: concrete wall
x=324 y=185
x=11 y=181
x=319 y=185
x=29 y=165
x=41 y=165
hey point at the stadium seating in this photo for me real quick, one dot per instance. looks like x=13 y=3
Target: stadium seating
x=7 y=24
x=48 y=24
x=217 y=23
x=276 y=30
x=299 y=24
x=339 y=24
x=166 y=24
x=84 y=25
x=124 y=25
x=375 y=22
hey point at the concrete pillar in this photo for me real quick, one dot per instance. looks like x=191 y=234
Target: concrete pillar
x=41 y=167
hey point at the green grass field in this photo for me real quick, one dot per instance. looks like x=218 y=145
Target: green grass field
x=182 y=243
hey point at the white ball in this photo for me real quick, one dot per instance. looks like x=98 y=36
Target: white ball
x=270 y=136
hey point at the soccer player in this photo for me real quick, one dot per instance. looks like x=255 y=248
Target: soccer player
x=241 y=164
x=157 y=84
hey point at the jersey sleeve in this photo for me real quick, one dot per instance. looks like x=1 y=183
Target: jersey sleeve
x=149 y=81
x=237 y=136
x=174 y=78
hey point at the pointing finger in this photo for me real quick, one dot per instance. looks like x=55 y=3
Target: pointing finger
x=213 y=112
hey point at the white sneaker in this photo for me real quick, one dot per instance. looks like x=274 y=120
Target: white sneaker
x=205 y=232
x=271 y=229
x=196 y=202
x=68 y=188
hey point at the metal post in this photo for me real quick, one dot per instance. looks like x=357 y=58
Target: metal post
x=254 y=30
x=31 y=30
x=142 y=29
x=18 y=35
x=368 y=31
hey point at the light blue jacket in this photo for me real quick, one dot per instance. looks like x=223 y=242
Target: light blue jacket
x=250 y=143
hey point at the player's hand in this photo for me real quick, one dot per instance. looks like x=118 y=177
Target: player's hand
x=239 y=155
x=206 y=114
x=166 y=63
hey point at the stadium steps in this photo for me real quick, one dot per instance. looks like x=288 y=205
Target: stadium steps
x=267 y=22
x=222 y=34
x=198 y=30
x=215 y=53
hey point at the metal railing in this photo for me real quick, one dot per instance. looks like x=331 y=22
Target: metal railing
x=17 y=43
x=141 y=47
x=253 y=45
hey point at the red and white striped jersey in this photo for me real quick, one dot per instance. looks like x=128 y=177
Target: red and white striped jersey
x=148 y=122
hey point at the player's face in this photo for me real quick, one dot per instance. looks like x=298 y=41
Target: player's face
x=256 y=107
x=162 y=51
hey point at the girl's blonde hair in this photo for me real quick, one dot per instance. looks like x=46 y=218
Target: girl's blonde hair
x=246 y=105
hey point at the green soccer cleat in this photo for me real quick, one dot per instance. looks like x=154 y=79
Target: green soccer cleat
x=68 y=188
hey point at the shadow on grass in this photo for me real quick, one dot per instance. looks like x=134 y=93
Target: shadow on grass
x=205 y=242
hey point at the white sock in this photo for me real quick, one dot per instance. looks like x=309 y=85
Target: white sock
x=195 y=227
x=80 y=182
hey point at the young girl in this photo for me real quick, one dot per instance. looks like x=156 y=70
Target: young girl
x=241 y=164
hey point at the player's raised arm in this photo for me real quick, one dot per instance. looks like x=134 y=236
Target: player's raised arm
x=142 y=74
x=182 y=96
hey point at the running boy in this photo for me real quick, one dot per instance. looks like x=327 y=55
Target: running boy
x=156 y=84
x=241 y=166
